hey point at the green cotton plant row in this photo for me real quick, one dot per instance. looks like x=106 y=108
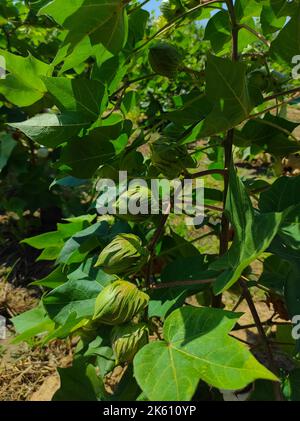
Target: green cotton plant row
x=120 y=82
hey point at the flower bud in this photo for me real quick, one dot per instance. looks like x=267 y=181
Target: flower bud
x=134 y=203
x=119 y=302
x=169 y=157
x=164 y=59
x=127 y=340
x=124 y=254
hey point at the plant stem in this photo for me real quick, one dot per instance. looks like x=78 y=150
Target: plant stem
x=130 y=82
x=215 y=208
x=207 y=172
x=263 y=336
x=266 y=323
x=273 y=107
x=181 y=283
x=257 y=34
x=7 y=36
x=153 y=242
x=159 y=229
x=173 y=22
x=228 y=143
x=234 y=30
x=278 y=94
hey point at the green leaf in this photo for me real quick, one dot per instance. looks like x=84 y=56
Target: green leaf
x=84 y=155
x=79 y=383
x=52 y=242
x=73 y=296
x=270 y=21
x=72 y=324
x=291 y=386
x=263 y=392
x=127 y=389
x=53 y=129
x=7 y=145
x=137 y=22
x=42 y=241
x=56 y=278
x=196 y=346
x=227 y=90
x=287 y=43
x=23 y=85
x=31 y=323
x=218 y=31
x=178 y=246
x=246 y=8
x=88 y=272
x=100 y=348
x=82 y=96
x=80 y=54
x=274 y=273
x=164 y=301
x=81 y=243
x=271 y=133
x=194 y=107
x=281 y=273
x=102 y=22
x=253 y=233
x=291 y=290
x=283 y=195
x=111 y=72
x=187 y=269
x=274 y=14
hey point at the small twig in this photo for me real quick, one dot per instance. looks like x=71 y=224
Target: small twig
x=207 y=172
x=278 y=94
x=159 y=229
x=265 y=323
x=263 y=337
x=116 y=106
x=181 y=283
x=138 y=7
x=273 y=107
x=173 y=22
x=257 y=34
x=240 y=300
x=241 y=340
x=201 y=237
x=213 y=208
x=153 y=242
x=130 y=82
x=7 y=36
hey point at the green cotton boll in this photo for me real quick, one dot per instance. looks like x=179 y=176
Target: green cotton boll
x=127 y=340
x=134 y=203
x=168 y=10
x=164 y=59
x=124 y=254
x=170 y=158
x=259 y=79
x=119 y=302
